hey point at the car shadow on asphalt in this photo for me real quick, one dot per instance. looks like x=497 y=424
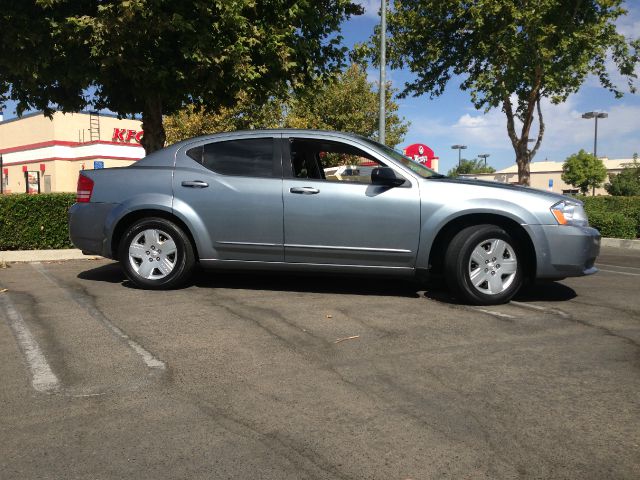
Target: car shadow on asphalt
x=286 y=282
x=537 y=292
x=335 y=284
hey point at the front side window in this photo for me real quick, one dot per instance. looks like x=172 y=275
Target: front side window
x=330 y=161
x=251 y=157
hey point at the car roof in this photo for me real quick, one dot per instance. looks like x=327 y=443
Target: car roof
x=167 y=154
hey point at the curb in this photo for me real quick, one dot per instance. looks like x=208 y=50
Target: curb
x=12 y=256
x=620 y=243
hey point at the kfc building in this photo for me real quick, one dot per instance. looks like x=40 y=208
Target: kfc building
x=42 y=154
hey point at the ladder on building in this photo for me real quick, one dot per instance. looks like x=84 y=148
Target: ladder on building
x=94 y=126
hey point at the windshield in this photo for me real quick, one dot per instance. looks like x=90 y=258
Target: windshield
x=415 y=167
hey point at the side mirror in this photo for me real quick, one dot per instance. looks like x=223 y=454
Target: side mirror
x=385 y=176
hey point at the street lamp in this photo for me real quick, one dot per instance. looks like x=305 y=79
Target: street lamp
x=383 y=66
x=458 y=147
x=484 y=157
x=596 y=115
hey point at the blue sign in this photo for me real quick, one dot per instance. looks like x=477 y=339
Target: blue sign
x=551 y=183
x=98 y=164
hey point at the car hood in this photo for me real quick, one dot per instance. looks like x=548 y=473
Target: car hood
x=556 y=197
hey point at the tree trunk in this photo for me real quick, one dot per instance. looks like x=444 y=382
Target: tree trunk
x=522 y=159
x=154 y=134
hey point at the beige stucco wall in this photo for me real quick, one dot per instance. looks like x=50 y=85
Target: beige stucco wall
x=31 y=131
x=540 y=180
x=70 y=127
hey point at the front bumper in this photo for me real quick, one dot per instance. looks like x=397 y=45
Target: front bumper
x=564 y=251
x=87 y=227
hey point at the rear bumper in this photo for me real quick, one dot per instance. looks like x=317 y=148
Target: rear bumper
x=87 y=227
x=564 y=251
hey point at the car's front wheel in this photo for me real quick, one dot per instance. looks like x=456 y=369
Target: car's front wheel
x=156 y=254
x=484 y=265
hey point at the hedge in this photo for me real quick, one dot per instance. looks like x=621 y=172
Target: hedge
x=30 y=222
x=617 y=217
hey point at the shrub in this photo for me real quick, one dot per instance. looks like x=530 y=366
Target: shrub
x=29 y=222
x=613 y=225
x=617 y=217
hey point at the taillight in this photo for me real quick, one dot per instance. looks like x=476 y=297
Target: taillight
x=85 y=189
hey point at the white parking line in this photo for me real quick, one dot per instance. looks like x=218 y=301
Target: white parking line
x=540 y=308
x=620 y=273
x=147 y=357
x=494 y=314
x=617 y=266
x=42 y=377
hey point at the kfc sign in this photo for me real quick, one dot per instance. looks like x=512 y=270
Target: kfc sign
x=126 y=136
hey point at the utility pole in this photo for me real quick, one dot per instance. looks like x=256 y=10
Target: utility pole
x=383 y=66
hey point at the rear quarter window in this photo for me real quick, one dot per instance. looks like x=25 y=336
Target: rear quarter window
x=252 y=157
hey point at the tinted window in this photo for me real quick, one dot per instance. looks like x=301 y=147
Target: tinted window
x=248 y=157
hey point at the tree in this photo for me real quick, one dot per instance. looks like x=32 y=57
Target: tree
x=31 y=57
x=470 y=166
x=156 y=56
x=348 y=103
x=245 y=114
x=584 y=170
x=511 y=55
x=345 y=102
x=627 y=182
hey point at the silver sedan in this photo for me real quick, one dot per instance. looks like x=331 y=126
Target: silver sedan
x=324 y=201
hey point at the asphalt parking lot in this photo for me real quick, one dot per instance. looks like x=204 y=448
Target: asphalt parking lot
x=288 y=377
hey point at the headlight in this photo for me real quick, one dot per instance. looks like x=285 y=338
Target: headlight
x=570 y=213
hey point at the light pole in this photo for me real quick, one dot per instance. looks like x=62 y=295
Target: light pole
x=383 y=66
x=596 y=115
x=484 y=157
x=458 y=147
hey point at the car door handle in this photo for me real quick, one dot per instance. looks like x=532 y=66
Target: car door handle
x=304 y=190
x=195 y=184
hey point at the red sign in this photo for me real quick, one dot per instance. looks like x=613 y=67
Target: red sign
x=125 y=136
x=420 y=153
x=42 y=167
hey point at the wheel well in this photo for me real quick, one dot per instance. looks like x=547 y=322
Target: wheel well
x=446 y=234
x=128 y=220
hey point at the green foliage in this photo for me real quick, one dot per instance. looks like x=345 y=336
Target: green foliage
x=617 y=217
x=244 y=115
x=155 y=57
x=345 y=102
x=509 y=55
x=627 y=182
x=583 y=170
x=30 y=222
x=470 y=166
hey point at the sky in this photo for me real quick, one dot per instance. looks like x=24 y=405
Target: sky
x=451 y=118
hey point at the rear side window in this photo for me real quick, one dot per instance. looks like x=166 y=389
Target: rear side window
x=252 y=157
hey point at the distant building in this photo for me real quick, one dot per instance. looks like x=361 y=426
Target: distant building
x=547 y=175
x=59 y=148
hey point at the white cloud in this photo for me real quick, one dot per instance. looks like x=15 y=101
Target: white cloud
x=566 y=132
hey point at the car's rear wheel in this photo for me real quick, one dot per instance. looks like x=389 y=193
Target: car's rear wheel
x=484 y=265
x=156 y=254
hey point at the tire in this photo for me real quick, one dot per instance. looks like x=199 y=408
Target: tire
x=484 y=265
x=156 y=254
